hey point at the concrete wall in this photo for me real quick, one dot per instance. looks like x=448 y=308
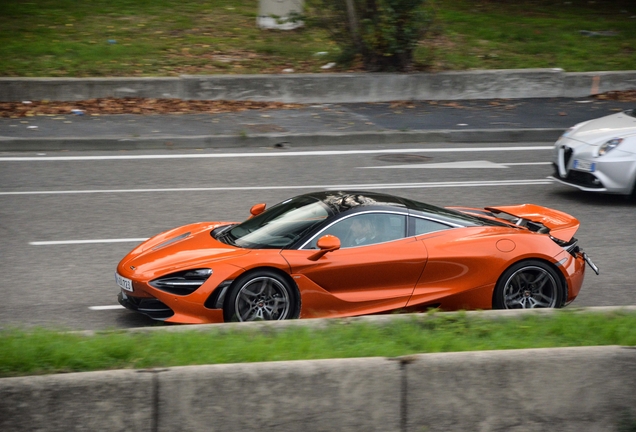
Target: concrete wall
x=328 y=88
x=70 y=89
x=565 y=389
x=101 y=401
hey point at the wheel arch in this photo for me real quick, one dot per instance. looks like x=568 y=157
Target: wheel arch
x=275 y=271
x=550 y=264
x=272 y=269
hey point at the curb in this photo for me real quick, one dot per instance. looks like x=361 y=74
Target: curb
x=329 y=87
x=287 y=140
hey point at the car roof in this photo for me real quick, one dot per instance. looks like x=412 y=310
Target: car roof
x=341 y=201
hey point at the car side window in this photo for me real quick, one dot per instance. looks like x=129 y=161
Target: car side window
x=423 y=226
x=366 y=229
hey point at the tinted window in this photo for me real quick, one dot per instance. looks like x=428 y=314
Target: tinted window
x=365 y=229
x=453 y=216
x=423 y=226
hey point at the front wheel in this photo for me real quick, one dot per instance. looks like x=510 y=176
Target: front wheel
x=528 y=285
x=262 y=295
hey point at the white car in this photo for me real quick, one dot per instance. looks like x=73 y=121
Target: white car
x=599 y=155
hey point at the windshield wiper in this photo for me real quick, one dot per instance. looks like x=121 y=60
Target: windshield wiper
x=228 y=238
x=224 y=235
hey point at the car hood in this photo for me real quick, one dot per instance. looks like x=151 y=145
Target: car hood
x=599 y=131
x=190 y=246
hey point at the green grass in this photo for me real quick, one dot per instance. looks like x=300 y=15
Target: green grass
x=44 y=351
x=171 y=37
x=529 y=34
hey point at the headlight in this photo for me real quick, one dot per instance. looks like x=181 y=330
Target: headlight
x=609 y=146
x=183 y=282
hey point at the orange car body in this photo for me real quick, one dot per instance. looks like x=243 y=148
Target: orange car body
x=449 y=269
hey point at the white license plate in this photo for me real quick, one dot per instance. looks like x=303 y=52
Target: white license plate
x=124 y=283
x=583 y=165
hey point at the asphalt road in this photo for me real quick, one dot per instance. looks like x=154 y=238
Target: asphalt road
x=66 y=219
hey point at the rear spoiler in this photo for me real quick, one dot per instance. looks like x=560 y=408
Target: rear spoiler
x=562 y=226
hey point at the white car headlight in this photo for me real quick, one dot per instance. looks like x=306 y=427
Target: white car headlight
x=609 y=146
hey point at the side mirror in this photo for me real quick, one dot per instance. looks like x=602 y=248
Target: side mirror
x=257 y=209
x=327 y=243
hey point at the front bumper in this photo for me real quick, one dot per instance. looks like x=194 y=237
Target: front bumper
x=179 y=311
x=581 y=180
x=203 y=306
x=151 y=307
x=612 y=173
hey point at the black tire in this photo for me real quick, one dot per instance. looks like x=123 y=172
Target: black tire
x=527 y=285
x=262 y=295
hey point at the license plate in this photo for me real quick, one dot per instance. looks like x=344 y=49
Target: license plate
x=590 y=263
x=583 y=165
x=124 y=283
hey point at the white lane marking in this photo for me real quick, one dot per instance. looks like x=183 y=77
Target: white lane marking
x=546 y=181
x=271 y=154
x=325 y=187
x=72 y=242
x=99 y=308
x=527 y=163
x=460 y=164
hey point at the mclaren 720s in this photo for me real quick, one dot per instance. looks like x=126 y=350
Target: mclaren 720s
x=348 y=253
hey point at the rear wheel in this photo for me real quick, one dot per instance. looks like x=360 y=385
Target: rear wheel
x=262 y=295
x=528 y=285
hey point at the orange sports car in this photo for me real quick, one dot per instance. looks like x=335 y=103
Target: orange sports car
x=340 y=254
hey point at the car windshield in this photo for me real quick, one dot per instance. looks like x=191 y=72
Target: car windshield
x=279 y=226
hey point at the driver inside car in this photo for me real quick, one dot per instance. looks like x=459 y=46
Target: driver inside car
x=362 y=232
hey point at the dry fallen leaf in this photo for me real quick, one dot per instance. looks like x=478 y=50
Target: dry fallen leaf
x=135 y=106
x=622 y=96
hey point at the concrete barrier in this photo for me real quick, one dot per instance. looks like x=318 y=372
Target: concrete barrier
x=71 y=89
x=322 y=395
x=564 y=389
x=590 y=83
x=97 y=401
x=328 y=87
x=376 y=87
